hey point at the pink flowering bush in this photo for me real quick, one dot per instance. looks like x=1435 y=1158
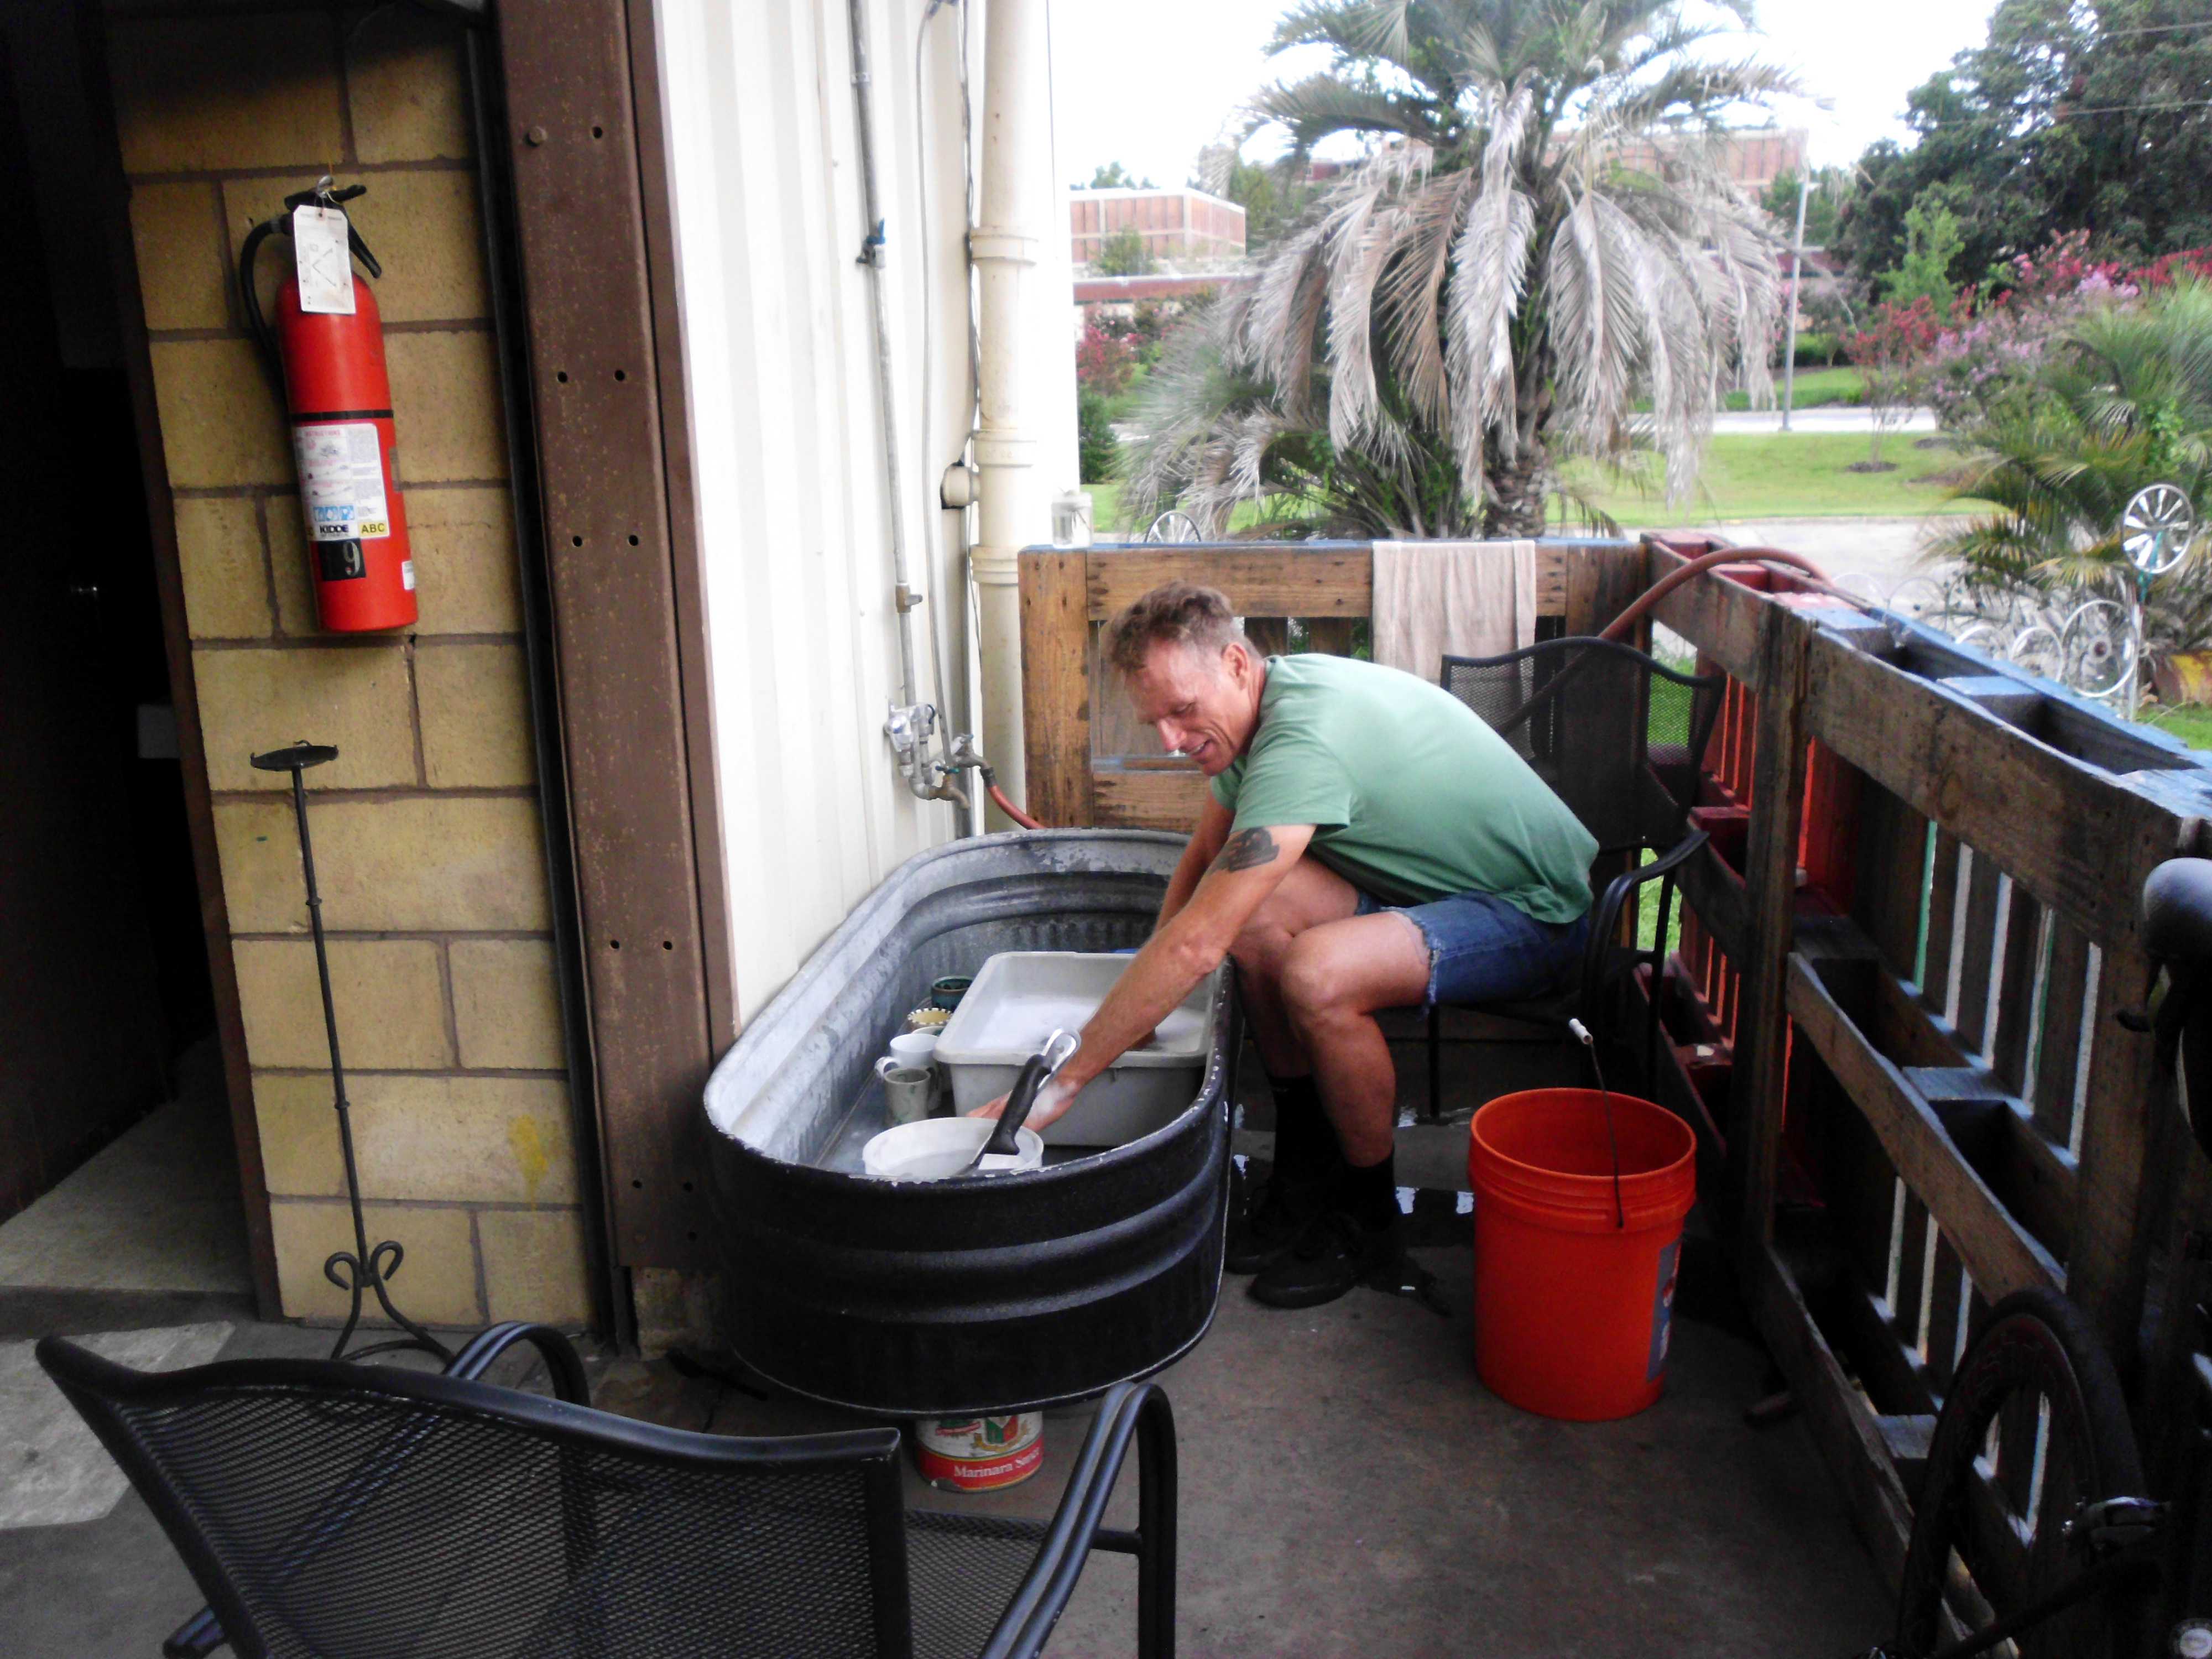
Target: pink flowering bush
x=1105 y=359
x=1984 y=363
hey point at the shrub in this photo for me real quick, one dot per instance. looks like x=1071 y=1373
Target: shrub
x=1889 y=354
x=2119 y=399
x=1817 y=350
x=1105 y=359
x=1122 y=254
x=1098 y=451
x=1985 y=365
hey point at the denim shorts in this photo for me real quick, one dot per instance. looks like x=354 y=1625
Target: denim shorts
x=1484 y=949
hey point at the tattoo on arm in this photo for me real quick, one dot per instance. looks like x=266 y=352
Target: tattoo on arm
x=1246 y=850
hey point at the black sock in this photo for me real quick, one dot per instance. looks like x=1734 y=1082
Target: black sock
x=1372 y=1193
x=1306 y=1151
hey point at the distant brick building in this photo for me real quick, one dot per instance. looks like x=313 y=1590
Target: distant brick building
x=1180 y=226
x=1755 y=157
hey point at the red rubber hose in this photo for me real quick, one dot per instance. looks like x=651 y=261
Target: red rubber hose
x=1011 y=809
x=1619 y=626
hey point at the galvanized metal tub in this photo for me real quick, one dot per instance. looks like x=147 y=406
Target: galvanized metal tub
x=934 y=1299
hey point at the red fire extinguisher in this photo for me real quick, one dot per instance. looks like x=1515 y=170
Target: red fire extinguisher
x=327 y=348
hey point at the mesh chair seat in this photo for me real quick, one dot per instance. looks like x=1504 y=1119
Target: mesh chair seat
x=332 y=1510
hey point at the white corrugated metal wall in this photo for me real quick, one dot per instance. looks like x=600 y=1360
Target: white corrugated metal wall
x=787 y=435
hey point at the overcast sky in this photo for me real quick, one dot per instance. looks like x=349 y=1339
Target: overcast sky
x=1147 y=82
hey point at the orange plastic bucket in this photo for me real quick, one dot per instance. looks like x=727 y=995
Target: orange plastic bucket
x=1572 y=1310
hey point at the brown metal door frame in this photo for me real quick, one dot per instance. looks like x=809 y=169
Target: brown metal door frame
x=594 y=225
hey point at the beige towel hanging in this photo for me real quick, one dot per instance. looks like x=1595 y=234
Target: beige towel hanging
x=1468 y=598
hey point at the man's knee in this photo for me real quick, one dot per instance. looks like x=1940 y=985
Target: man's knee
x=1313 y=980
x=1266 y=941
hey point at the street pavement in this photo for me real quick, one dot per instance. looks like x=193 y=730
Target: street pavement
x=1886 y=549
x=1834 y=419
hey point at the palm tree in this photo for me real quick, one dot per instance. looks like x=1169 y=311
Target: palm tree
x=2122 y=399
x=1541 y=232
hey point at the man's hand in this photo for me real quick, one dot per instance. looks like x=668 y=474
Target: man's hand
x=1052 y=1103
x=1188 y=945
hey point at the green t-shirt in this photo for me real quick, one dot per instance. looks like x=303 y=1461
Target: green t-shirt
x=1410 y=796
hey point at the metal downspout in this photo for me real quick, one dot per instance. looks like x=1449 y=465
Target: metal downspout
x=1003 y=247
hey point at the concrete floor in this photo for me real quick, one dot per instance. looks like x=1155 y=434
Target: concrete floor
x=157 y=1210
x=1348 y=1486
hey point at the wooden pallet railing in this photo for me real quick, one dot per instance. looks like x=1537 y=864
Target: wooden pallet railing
x=1089 y=762
x=1892 y=1011
x=1920 y=952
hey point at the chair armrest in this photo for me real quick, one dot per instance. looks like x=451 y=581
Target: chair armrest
x=1605 y=915
x=1138 y=1410
x=201 y=1634
x=567 y=1369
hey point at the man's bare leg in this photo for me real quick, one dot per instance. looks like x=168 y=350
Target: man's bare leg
x=1333 y=979
x=1311 y=896
x=1309 y=1161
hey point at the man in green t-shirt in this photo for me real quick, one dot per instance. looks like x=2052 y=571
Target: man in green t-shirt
x=1368 y=843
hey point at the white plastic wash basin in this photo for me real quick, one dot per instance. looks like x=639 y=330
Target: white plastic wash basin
x=1021 y=997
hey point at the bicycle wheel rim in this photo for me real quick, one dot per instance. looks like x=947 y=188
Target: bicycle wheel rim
x=2037 y=1390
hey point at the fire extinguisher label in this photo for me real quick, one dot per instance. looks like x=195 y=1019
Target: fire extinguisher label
x=341 y=481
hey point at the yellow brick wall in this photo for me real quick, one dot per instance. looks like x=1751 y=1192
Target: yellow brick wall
x=426 y=829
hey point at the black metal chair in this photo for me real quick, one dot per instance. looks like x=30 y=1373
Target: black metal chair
x=1621 y=738
x=331 y=1510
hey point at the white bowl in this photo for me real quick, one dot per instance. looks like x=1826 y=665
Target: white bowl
x=937 y=1147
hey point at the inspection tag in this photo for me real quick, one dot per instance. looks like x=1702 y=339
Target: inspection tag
x=322 y=260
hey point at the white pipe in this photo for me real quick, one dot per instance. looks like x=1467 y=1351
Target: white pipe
x=1016 y=140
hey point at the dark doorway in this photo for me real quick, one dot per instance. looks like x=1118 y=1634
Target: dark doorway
x=106 y=1011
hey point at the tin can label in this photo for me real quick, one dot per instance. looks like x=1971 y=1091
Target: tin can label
x=1662 y=1310
x=980 y=1453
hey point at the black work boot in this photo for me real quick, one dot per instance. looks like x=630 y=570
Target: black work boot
x=1262 y=1229
x=1334 y=1254
x=1309 y=1165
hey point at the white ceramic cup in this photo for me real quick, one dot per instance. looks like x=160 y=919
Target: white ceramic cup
x=906 y=1090
x=915 y=1048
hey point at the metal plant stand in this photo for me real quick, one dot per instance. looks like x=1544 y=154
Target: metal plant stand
x=360 y=1268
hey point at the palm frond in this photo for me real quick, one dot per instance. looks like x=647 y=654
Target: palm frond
x=1490 y=265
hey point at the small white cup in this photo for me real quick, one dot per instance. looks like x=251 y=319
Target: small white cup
x=915 y=1048
x=906 y=1090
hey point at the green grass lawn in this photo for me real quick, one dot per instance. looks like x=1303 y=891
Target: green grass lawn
x=1786 y=476
x=2192 y=725
x=1747 y=475
x=1106 y=514
x=1817 y=388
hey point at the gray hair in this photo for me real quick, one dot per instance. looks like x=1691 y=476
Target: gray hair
x=1174 y=613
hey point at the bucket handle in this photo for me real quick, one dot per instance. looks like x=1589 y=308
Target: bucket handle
x=1612 y=1143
